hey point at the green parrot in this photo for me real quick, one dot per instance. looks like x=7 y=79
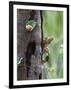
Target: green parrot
x=30 y=25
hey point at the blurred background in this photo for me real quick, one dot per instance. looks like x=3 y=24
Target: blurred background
x=53 y=26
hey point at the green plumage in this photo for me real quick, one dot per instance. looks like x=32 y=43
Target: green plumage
x=46 y=57
x=32 y=23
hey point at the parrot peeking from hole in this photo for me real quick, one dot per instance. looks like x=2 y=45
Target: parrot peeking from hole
x=30 y=25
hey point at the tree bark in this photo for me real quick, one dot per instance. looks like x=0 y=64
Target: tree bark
x=23 y=39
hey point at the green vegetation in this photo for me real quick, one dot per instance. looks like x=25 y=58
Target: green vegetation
x=53 y=26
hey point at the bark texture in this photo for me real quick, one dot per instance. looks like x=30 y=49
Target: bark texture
x=23 y=39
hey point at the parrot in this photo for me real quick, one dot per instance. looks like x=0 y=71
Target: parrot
x=30 y=25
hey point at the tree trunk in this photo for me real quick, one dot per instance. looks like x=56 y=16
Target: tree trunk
x=23 y=39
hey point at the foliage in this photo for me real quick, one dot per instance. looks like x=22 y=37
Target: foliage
x=53 y=26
